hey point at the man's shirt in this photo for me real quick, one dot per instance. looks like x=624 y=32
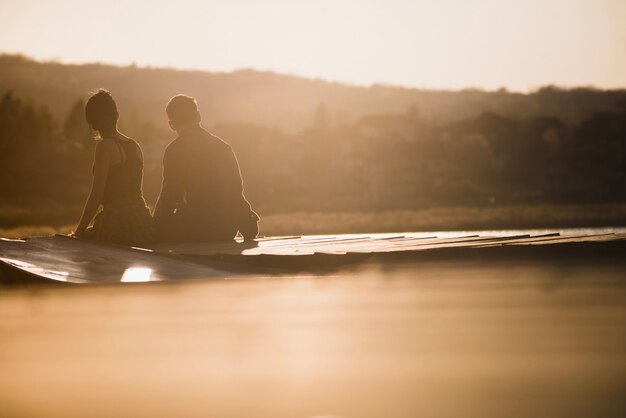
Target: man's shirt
x=202 y=192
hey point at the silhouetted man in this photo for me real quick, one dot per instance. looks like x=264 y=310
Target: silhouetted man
x=202 y=192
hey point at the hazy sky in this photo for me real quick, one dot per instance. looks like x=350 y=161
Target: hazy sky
x=518 y=44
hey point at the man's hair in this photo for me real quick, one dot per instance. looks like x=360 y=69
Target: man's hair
x=182 y=110
x=101 y=111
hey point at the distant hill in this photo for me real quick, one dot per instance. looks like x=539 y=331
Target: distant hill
x=288 y=103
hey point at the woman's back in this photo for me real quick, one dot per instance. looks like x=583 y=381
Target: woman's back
x=125 y=177
x=117 y=178
x=125 y=218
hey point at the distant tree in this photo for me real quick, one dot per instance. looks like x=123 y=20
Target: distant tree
x=413 y=112
x=27 y=138
x=76 y=131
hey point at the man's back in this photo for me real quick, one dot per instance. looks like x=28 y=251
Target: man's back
x=202 y=193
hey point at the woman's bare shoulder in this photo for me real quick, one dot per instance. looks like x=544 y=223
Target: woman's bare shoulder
x=105 y=145
x=106 y=150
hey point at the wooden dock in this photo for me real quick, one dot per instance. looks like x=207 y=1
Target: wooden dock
x=69 y=260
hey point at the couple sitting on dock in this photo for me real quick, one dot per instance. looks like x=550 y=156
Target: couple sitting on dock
x=201 y=195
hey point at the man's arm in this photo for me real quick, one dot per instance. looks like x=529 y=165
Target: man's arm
x=247 y=219
x=172 y=187
x=249 y=227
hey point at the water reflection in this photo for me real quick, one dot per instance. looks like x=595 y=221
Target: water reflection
x=136 y=274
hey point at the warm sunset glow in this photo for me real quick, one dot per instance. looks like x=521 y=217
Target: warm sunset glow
x=448 y=44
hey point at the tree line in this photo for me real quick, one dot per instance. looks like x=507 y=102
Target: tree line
x=382 y=161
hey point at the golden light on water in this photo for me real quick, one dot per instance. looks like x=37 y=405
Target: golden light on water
x=436 y=340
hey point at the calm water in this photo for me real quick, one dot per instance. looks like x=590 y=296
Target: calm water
x=434 y=340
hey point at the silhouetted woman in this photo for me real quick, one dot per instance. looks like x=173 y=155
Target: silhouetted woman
x=117 y=178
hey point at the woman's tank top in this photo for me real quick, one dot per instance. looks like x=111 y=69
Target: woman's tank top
x=123 y=184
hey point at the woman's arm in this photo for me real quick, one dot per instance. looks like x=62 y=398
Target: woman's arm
x=101 y=169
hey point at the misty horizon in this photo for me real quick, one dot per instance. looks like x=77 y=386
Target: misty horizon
x=450 y=45
x=55 y=60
